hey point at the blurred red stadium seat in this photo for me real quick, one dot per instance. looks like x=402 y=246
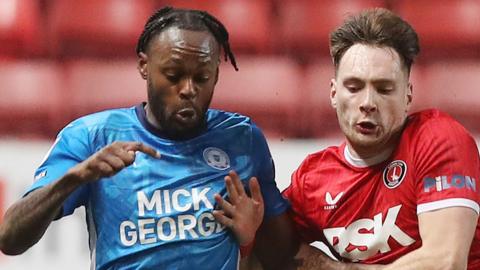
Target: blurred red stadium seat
x=97 y=28
x=30 y=98
x=320 y=117
x=248 y=21
x=20 y=28
x=445 y=27
x=100 y=85
x=453 y=87
x=421 y=95
x=306 y=24
x=267 y=89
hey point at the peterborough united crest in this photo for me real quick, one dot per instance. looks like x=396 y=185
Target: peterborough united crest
x=216 y=158
x=394 y=173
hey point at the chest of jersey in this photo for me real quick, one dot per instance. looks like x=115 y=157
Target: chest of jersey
x=170 y=199
x=365 y=213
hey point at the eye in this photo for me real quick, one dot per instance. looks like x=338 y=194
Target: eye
x=202 y=78
x=353 y=88
x=353 y=85
x=384 y=90
x=173 y=77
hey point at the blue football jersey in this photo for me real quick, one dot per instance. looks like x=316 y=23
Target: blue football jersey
x=157 y=213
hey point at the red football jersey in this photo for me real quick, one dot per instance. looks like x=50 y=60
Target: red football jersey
x=366 y=210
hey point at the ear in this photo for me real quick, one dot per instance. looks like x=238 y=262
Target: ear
x=409 y=95
x=333 y=93
x=142 y=65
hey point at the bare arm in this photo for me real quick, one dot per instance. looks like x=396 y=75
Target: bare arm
x=26 y=221
x=277 y=243
x=309 y=257
x=446 y=238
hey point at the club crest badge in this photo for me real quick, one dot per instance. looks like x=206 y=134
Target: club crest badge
x=216 y=158
x=394 y=173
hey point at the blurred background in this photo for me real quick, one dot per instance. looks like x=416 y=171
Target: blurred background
x=60 y=59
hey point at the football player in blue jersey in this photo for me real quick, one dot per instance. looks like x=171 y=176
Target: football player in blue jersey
x=152 y=176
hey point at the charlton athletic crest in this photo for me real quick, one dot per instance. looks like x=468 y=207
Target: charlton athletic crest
x=394 y=173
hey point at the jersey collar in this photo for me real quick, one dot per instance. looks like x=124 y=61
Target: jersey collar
x=142 y=117
x=367 y=162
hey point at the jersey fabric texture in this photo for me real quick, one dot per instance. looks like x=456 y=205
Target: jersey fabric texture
x=366 y=210
x=157 y=213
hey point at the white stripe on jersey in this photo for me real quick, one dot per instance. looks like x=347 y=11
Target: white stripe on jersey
x=440 y=204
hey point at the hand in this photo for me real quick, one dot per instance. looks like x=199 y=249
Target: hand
x=110 y=160
x=242 y=214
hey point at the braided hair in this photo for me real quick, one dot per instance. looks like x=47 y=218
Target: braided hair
x=188 y=19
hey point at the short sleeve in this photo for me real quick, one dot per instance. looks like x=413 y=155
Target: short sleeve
x=295 y=195
x=275 y=204
x=70 y=148
x=447 y=166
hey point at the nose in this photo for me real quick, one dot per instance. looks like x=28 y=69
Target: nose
x=368 y=103
x=187 y=89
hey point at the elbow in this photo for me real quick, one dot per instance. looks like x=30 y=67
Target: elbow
x=9 y=249
x=7 y=246
x=455 y=264
x=450 y=262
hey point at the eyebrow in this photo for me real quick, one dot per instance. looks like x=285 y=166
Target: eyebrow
x=201 y=63
x=375 y=81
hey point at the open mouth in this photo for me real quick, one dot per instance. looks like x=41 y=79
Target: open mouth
x=186 y=112
x=366 y=127
x=186 y=115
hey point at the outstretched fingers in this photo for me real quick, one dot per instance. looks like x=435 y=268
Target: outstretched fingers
x=255 y=191
x=237 y=183
x=231 y=189
x=225 y=212
x=224 y=205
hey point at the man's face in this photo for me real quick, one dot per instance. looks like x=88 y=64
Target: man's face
x=181 y=69
x=371 y=95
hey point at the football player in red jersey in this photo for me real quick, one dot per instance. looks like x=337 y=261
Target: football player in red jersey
x=402 y=191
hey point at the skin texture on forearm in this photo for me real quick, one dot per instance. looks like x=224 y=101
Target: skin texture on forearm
x=276 y=243
x=310 y=258
x=446 y=235
x=26 y=221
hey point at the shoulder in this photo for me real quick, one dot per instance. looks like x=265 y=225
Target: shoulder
x=436 y=120
x=308 y=177
x=317 y=168
x=435 y=126
x=317 y=162
x=222 y=119
x=433 y=138
x=235 y=122
x=114 y=118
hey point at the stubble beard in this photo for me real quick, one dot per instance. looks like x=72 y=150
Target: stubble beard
x=165 y=121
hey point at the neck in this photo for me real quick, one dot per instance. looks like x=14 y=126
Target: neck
x=151 y=118
x=359 y=152
x=177 y=135
x=364 y=156
x=352 y=156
